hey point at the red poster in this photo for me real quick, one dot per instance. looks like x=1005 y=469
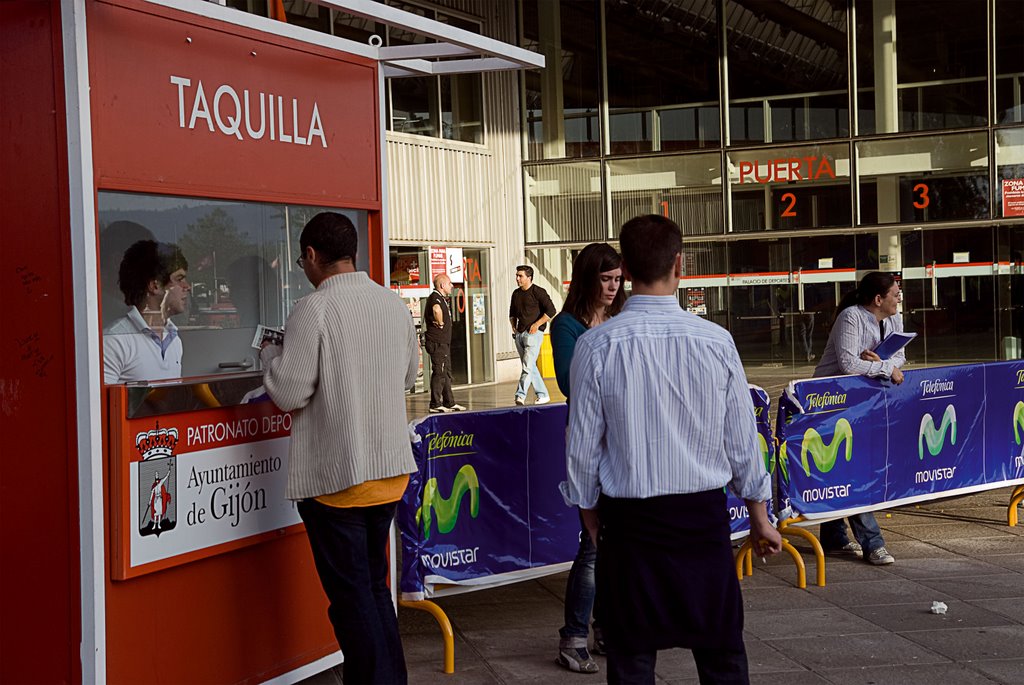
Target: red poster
x=438 y=262
x=1013 y=197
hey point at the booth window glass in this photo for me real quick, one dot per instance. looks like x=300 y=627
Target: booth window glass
x=239 y=263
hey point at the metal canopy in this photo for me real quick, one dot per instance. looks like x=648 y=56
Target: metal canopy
x=472 y=52
x=456 y=51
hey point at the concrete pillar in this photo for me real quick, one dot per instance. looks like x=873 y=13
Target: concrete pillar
x=886 y=121
x=549 y=19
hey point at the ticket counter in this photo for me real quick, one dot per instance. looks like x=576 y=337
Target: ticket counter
x=145 y=532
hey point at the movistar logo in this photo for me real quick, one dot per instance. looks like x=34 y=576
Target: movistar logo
x=769 y=458
x=784 y=462
x=935 y=439
x=1018 y=420
x=447 y=509
x=824 y=456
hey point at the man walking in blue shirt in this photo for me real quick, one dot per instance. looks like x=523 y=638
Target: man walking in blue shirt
x=660 y=422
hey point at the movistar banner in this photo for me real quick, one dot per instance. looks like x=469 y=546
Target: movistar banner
x=485 y=499
x=739 y=518
x=852 y=443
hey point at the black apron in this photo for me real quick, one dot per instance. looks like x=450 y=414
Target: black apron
x=665 y=573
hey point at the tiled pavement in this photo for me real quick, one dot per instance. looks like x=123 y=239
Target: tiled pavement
x=869 y=625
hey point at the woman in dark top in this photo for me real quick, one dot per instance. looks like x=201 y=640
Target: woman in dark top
x=595 y=295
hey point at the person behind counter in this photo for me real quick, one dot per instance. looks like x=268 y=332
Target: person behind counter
x=143 y=345
x=865 y=316
x=350 y=352
x=595 y=295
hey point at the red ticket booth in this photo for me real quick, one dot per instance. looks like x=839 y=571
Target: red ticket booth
x=222 y=140
x=143 y=525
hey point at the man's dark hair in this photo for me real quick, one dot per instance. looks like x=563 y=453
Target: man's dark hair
x=332 y=235
x=528 y=270
x=145 y=261
x=649 y=247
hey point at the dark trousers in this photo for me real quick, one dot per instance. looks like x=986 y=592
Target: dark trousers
x=349 y=548
x=580 y=591
x=440 y=374
x=714 y=666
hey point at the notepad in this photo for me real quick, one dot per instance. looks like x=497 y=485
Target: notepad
x=893 y=343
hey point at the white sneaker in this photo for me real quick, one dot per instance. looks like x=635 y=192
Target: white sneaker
x=440 y=410
x=521 y=401
x=543 y=400
x=456 y=407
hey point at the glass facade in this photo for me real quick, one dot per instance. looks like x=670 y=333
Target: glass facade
x=798 y=144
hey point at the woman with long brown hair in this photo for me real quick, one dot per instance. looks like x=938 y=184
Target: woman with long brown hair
x=595 y=295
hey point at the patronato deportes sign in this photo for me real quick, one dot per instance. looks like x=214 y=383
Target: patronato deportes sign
x=194 y=484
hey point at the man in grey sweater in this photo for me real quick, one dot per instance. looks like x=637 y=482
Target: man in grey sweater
x=350 y=351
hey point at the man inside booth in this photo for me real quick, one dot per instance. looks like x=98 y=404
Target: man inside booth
x=143 y=345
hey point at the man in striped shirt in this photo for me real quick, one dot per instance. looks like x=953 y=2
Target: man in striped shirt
x=660 y=423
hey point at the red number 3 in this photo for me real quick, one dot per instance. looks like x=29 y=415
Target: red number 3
x=923 y=189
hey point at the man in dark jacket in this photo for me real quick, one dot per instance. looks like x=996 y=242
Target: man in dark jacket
x=438 y=344
x=529 y=312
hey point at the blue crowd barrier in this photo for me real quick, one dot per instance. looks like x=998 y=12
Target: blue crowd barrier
x=851 y=444
x=484 y=508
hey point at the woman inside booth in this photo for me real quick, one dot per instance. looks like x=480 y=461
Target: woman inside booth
x=865 y=316
x=595 y=295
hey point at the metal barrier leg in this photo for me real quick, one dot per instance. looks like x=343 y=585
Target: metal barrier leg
x=819 y=553
x=741 y=557
x=801 y=570
x=443 y=623
x=748 y=562
x=1016 y=498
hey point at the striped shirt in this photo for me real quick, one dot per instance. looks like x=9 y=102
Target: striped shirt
x=856 y=330
x=660 y=406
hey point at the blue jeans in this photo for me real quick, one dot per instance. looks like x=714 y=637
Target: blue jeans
x=579 y=594
x=349 y=548
x=528 y=346
x=865 y=529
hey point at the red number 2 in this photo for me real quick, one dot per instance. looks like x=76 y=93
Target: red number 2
x=788 y=211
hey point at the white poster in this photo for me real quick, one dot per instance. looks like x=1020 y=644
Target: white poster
x=455 y=266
